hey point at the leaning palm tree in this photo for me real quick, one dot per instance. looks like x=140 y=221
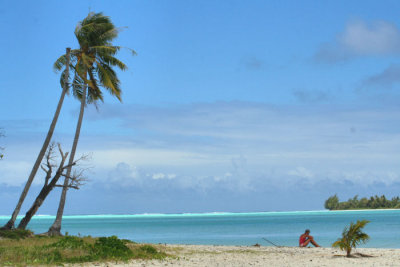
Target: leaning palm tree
x=92 y=64
x=64 y=82
x=352 y=236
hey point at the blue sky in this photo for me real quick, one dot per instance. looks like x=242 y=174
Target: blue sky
x=228 y=105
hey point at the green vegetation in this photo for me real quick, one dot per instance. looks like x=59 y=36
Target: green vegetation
x=15 y=250
x=15 y=234
x=352 y=236
x=375 y=202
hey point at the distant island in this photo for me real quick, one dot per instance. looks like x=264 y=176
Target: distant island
x=374 y=202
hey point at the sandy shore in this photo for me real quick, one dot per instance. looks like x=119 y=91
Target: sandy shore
x=193 y=255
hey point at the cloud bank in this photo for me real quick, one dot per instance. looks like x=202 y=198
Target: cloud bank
x=231 y=151
x=379 y=38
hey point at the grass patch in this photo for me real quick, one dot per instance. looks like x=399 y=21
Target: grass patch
x=147 y=252
x=15 y=234
x=71 y=249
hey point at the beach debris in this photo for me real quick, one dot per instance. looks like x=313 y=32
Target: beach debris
x=271 y=242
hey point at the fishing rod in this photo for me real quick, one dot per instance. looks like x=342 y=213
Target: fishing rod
x=271 y=242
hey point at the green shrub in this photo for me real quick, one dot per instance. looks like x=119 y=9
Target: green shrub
x=127 y=241
x=111 y=247
x=53 y=256
x=71 y=242
x=15 y=234
x=148 y=249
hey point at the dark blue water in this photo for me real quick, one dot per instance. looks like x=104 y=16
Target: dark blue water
x=282 y=228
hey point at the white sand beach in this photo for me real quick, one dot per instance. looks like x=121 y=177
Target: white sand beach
x=200 y=255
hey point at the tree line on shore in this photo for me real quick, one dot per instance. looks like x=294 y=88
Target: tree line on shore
x=374 y=202
x=92 y=66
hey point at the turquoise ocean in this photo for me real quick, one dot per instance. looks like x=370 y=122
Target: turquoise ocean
x=282 y=228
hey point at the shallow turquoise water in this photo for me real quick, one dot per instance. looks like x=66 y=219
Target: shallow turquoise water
x=282 y=228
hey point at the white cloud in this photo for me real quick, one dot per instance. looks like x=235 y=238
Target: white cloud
x=124 y=175
x=301 y=172
x=239 y=146
x=157 y=176
x=15 y=173
x=379 y=38
x=223 y=177
x=171 y=176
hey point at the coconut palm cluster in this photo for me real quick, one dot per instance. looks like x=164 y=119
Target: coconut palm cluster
x=85 y=71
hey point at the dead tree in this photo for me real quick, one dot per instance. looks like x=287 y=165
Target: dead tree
x=51 y=182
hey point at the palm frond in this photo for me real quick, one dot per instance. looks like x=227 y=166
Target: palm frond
x=64 y=81
x=111 y=48
x=94 y=92
x=91 y=19
x=93 y=96
x=81 y=69
x=78 y=86
x=112 y=61
x=87 y=60
x=95 y=29
x=352 y=236
x=75 y=53
x=109 y=80
x=105 y=49
x=60 y=63
x=110 y=34
x=133 y=52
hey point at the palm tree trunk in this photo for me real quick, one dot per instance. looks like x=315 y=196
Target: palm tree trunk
x=348 y=252
x=35 y=206
x=47 y=188
x=55 y=229
x=10 y=224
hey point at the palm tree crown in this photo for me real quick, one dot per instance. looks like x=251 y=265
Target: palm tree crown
x=93 y=62
x=352 y=236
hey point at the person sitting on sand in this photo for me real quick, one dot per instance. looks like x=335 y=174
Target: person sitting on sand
x=306 y=238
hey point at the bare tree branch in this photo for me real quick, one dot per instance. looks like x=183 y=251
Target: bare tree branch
x=67 y=166
x=69 y=186
x=76 y=180
x=49 y=163
x=43 y=168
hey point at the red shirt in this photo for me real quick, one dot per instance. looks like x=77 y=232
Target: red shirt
x=302 y=239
